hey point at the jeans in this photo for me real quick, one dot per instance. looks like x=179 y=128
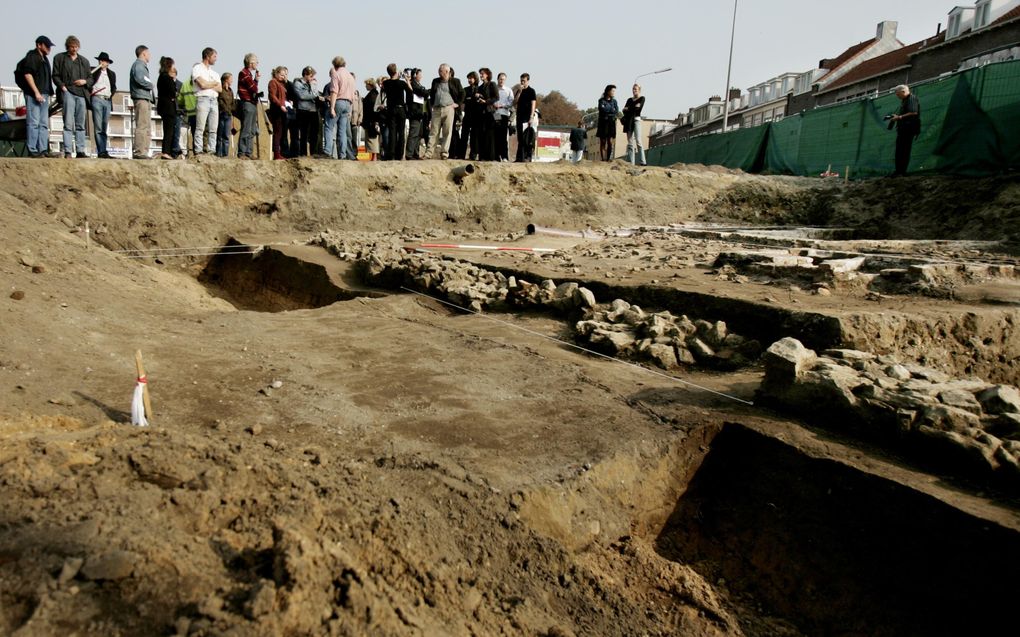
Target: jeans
x=904 y=145
x=223 y=135
x=329 y=132
x=576 y=156
x=634 y=142
x=343 y=130
x=101 y=109
x=207 y=119
x=178 y=125
x=74 y=123
x=249 y=127
x=38 y=116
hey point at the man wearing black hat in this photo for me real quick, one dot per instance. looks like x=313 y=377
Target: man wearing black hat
x=102 y=86
x=34 y=78
x=70 y=78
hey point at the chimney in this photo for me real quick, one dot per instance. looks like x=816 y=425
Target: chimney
x=734 y=94
x=886 y=30
x=938 y=30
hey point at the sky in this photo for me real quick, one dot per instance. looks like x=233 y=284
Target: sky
x=575 y=47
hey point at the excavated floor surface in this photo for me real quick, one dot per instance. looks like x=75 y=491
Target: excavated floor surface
x=330 y=459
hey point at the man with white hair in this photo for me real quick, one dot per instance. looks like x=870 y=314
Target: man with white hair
x=908 y=126
x=446 y=97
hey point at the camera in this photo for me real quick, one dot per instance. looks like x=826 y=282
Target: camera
x=408 y=72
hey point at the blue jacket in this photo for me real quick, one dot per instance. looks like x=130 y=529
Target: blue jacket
x=141 y=85
x=608 y=108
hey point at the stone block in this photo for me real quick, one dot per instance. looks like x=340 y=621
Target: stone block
x=787 y=359
x=1000 y=399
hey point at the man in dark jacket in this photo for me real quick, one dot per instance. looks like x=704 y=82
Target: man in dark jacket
x=416 y=110
x=447 y=98
x=908 y=127
x=578 y=142
x=71 y=74
x=33 y=75
x=102 y=85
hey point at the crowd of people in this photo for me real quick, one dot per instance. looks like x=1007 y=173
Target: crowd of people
x=398 y=117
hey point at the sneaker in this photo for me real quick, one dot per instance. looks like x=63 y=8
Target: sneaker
x=67 y=156
x=82 y=156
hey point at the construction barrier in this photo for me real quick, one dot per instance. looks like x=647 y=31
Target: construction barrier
x=969 y=127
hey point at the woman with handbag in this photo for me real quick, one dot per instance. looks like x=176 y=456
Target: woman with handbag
x=609 y=111
x=632 y=126
x=370 y=119
x=166 y=104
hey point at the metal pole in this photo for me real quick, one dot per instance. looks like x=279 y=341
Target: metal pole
x=729 y=69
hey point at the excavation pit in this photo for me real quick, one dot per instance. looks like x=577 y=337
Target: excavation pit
x=282 y=278
x=835 y=550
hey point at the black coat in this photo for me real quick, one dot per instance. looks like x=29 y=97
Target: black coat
x=95 y=78
x=456 y=90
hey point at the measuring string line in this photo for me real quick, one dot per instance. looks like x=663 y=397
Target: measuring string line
x=582 y=349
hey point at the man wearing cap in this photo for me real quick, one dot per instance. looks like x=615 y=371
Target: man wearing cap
x=70 y=78
x=141 y=96
x=35 y=80
x=102 y=86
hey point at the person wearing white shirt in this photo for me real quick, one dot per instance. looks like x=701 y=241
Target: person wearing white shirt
x=502 y=115
x=207 y=88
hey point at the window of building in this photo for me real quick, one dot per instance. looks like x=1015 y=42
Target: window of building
x=954 y=26
x=983 y=12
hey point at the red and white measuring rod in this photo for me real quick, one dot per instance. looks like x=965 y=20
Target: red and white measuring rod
x=466 y=246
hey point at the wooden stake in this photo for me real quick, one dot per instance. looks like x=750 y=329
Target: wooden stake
x=846 y=175
x=140 y=367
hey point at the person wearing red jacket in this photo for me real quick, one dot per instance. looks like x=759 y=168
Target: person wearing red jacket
x=278 y=108
x=248 y=94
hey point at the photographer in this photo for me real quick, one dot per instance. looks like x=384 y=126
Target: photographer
x=416 y=110
x=908 y=127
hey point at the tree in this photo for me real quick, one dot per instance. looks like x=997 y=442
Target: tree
x=557 y=110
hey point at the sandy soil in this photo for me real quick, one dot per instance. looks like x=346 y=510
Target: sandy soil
x=379 y=466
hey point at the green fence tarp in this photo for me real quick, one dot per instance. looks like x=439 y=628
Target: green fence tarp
x=743 y=149
x=968 y=128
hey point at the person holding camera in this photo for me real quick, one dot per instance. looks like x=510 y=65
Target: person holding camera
x=908 y=127
x=398 y=91
x=416 y=110
x=248 y=94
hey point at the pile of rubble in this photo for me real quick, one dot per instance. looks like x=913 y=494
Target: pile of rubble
x=618 y=329
x=972 y=424
x=892 y=274
x=625 y=330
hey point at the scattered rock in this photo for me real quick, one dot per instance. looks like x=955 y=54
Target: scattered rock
x=786 y=359
x=114 y=565
x=1000 y=399
x=254 y=430
x=584 y=298
x=17 y=295
x=277 y=384
x=70 y=570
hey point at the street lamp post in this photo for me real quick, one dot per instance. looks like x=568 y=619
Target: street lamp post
x=729 y=69
x=666 y=70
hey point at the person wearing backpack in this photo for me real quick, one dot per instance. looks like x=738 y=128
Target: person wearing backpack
x=33 y=76
x=71 y=74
